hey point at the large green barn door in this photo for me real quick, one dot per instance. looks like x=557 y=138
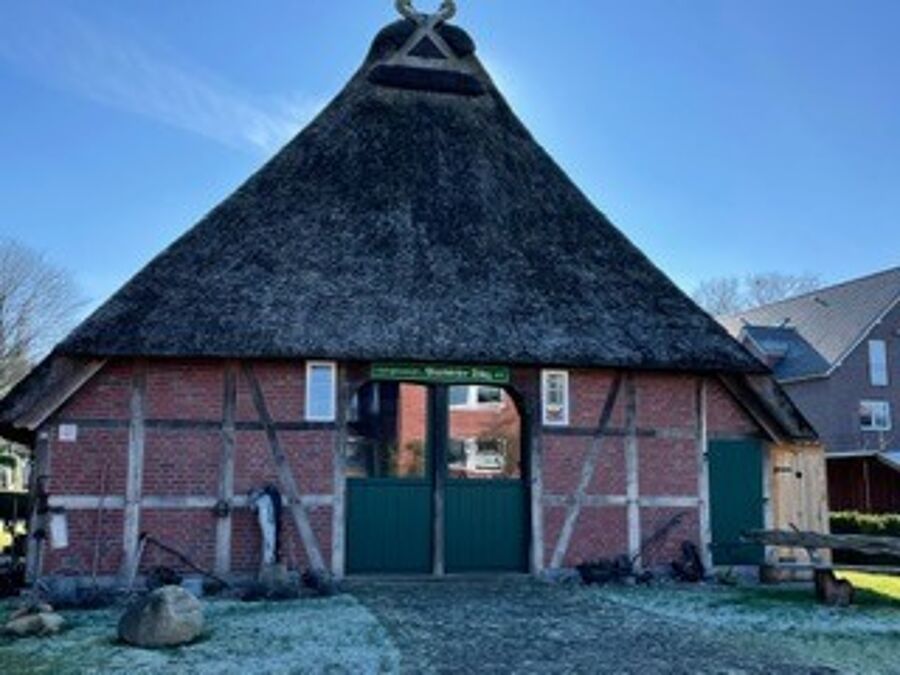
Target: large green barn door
x=389 y=485
x=389 y=526
x=485 y=509
x=485 y=527
x=412 y=452
x=736 y=500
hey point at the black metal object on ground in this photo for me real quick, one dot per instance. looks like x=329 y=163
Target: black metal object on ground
x=147 y=539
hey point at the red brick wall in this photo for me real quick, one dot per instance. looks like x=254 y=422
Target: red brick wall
x=668 y=463
x=184 y=462
x=181 y=461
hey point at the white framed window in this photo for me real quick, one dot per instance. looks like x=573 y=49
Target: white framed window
x=321 y=391
x=475 y=396
x=555 y=398
x=875 y=415
x=878 y=365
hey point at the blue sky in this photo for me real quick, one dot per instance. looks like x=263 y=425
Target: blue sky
x=722 y=136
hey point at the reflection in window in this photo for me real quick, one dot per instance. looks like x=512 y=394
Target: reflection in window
x=485 y=438
x=475 y=396
x=388 y=431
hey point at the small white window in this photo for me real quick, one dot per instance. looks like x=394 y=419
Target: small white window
x=875 y=415
x=555 y=397
x=878 y=366
x=320 y=391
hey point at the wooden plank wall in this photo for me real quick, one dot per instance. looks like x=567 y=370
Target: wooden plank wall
x=799 y=495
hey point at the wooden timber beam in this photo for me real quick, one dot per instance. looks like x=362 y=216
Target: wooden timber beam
x=632 y=479
x=135 y=477
x=861 y=543
x=226 y=468
x=587 y=472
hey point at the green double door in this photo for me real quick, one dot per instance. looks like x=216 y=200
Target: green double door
x=439 y=503
x=736 y=500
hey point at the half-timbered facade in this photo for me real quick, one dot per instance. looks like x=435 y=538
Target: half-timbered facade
x=414 y=326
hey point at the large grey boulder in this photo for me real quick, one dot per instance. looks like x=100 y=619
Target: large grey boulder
x=166 y=617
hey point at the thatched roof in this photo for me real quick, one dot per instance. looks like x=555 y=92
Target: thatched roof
x=415 y=218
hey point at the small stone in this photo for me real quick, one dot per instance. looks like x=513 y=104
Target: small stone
x=165 y=617
x=43 y=623
x=32 y=608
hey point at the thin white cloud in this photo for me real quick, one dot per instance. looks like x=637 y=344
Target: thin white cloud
x=70 y=53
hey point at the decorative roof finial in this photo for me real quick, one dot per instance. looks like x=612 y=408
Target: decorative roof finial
x=446 y=12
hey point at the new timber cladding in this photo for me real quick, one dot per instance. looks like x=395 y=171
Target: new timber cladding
x=161 y=443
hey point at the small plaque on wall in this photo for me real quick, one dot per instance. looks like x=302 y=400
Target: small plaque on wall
x=68 y=433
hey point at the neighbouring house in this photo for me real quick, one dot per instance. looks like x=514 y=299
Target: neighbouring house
x=415 y=326
x=837 y=353
x=13 y=468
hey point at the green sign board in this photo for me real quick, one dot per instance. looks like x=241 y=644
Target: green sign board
x=440 y=374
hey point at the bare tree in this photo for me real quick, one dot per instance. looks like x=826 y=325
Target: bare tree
x=764 y=289
x=720 y=296
x=38 y=306
x=729 y=295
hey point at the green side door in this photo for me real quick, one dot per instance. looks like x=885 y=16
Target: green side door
x=736 y=500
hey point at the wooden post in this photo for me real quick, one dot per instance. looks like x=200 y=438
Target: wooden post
x=703 y=473
x=339 y=460
x=867 y=484
x=536 y=479
x=439 y=409
x=36 y=520
x=770 y=554
x=632 y=479
x=285 y=474
x=226 y=469
x=135 y=476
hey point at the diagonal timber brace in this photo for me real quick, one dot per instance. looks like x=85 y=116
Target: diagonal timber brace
x=587 y=471
x=285 y=475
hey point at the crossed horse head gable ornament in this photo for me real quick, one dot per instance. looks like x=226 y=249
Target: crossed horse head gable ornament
x=446 y=11
x=427 y=61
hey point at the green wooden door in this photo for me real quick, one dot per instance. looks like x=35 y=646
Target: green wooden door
x=401 y=465
x=736 y=500
x=485 y=526
x=389 y=526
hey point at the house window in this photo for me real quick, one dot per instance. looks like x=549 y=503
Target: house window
x=875 y=415
x=555 y=397
x=878 y=367
x=475 y=397
x=320 y=391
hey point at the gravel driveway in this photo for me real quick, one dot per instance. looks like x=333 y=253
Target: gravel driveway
x=518 y=625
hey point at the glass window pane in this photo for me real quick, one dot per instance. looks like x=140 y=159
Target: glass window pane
x=459 y=395
x=485 y=440
x=878 y=368
x=388 y=439
x=320 y=392
x=489 y=395
x=555 y=398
